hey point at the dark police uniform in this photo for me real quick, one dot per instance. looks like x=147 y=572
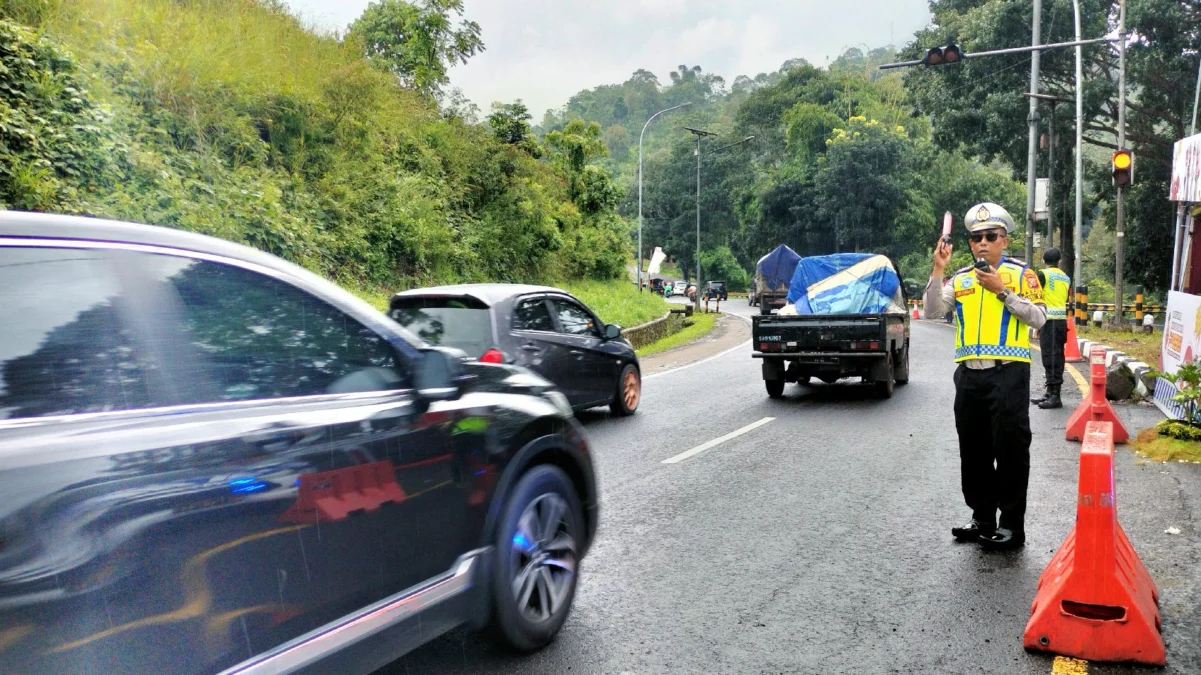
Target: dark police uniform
x=992 y=384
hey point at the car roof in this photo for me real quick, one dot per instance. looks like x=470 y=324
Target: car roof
x=22 y=224
x=489 y=294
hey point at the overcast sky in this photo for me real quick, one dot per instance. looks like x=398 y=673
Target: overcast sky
x=543 y=51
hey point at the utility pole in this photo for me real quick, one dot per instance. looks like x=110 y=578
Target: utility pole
x=1078 y=234
x=699 y=135
x=1032 y=144
x=644 y=126
x=1120 y=228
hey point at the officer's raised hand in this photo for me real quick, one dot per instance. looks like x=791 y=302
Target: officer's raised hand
x=942 y=256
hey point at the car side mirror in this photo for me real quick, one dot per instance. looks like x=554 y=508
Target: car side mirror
x=612 y=331
x=439 y=374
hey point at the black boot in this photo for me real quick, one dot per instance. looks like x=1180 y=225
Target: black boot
x=1052 y=401
x=1040 y=399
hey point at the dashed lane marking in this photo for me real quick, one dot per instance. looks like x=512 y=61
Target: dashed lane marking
x=716 y=442
x=1064 y=665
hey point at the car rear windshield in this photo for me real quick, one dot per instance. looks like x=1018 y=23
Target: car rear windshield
x=460 y=322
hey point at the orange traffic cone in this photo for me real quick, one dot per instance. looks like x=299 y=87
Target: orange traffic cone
x=1071 y=351
x=916 y=314
x=1095 y=599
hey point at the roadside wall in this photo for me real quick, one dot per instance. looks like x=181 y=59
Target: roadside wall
x=653 y=331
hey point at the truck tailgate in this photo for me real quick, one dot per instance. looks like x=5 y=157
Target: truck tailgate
x=819 y=333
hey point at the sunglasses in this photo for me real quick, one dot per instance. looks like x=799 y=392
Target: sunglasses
x=991 y=236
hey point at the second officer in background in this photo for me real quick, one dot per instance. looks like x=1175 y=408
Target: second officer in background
x=1054 y=334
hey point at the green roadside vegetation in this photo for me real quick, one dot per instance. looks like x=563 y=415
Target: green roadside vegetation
x=1160 y=447
x=1141 y=346
x=345 y=154
x=695 y=327
x=617 y=301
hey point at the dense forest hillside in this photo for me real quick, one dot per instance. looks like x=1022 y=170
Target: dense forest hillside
x=227 y=117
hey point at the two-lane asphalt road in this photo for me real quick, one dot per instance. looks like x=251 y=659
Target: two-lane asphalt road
x=811 y=535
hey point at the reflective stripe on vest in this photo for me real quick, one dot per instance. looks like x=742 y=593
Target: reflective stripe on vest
x=987 y=329
x=1055 y=293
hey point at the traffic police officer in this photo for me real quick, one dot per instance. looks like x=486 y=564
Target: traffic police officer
x=1054 y=334
x=994 y=301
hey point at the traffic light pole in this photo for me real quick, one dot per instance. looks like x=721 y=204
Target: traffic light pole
x=1032 y=141
x=1119 y=240
x=1012 y=50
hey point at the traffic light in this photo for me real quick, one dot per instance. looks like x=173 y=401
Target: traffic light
x=937 y=56
x=1123 y=167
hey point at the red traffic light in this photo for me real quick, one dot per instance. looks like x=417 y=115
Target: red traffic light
x=937 y=56
x=1123 y=167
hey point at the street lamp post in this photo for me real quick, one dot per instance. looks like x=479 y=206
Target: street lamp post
x=700 y=133
x=640 y=135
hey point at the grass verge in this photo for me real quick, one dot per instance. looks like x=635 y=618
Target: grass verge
x=617 y=301
x=1142 y=346
x=700 y=326
x=1151 y=444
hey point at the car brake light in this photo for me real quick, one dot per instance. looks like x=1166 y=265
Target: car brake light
x=492 y=356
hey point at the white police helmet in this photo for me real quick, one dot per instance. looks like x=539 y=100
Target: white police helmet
x=987 y=216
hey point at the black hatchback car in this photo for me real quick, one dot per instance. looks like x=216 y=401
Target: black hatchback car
x=214 y=461
x=545 y=329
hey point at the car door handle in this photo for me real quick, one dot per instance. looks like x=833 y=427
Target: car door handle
x=577 y=353
x=531 y=348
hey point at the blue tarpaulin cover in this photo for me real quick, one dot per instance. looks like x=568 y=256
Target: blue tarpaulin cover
x=775 y=269
x=845 y=283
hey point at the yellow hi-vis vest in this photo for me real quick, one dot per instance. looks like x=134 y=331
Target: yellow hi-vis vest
x=1055 y=292
x=986 y=329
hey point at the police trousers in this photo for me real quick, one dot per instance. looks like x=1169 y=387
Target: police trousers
x=992 y=416
x=1051 y=340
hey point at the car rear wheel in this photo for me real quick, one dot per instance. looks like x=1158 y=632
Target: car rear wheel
x=537 y=561
x=629 y=392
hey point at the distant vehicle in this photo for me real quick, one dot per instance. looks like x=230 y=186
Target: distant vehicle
x=657 y=286
x=716 y=290
x=773 y=273
x=849 y=321
x=216 y=461
x=544 y=329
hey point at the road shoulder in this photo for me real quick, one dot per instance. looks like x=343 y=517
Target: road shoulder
x=730 y=331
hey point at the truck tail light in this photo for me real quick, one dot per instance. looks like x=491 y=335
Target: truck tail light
x=871 y=346
x=493 y=355
x=769 y=346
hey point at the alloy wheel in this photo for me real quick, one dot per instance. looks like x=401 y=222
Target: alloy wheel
x=631 y=389
x=544 y=558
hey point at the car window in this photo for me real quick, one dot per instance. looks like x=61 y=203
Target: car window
x=66 y=345
x=574 y=319
x=532 y=314
x=463 y=323
x=249 y=336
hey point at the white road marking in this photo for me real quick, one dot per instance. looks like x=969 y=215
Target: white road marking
x=731 y=350
x=716 y=442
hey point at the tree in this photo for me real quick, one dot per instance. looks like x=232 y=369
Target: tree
x=978 y=105
x=510 y=124
x=417 y=42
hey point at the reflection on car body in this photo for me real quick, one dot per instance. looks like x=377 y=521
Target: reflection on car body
x=211 y=459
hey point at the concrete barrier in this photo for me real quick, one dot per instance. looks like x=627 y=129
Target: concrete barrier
x=652 y=331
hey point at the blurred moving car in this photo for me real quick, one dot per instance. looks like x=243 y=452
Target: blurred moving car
x=215 y=461
x=544 y=329
x=716 y=290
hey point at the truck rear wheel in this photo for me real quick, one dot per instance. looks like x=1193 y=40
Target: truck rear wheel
x=775 y=388
x=903 y=367
x=885 y=387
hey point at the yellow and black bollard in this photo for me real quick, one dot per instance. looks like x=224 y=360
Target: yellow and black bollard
x=1081 y=305
x=1138 y=304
